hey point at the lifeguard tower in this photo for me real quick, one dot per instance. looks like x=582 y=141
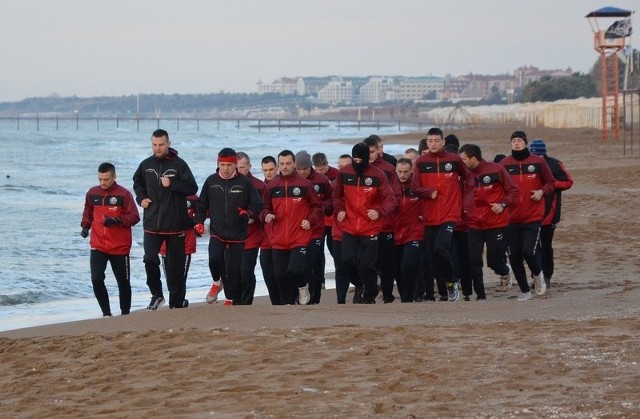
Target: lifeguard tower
x=608 y=43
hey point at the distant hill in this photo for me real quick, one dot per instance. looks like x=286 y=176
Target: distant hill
x=147 y=105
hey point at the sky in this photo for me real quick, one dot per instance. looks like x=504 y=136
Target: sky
x=115 y=47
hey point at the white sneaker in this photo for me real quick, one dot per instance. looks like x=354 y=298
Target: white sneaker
x=303 y=295
x=525 y=296
x=540 y=285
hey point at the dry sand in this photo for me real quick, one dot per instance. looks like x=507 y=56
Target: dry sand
x=574 y=352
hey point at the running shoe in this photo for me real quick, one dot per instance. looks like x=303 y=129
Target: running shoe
x=228 y=303
x=525 y=296
x=212 y=295
x=303 y=295
x=155 y=303
x=540 y=285
x=452 y=291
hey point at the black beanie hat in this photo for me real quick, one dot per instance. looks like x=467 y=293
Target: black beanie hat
x=519 y=134
x=360 y=151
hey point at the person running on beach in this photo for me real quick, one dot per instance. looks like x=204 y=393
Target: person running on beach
x=408 y=235
x=552 y=208
x=495 y=193
x=534 y=179
x=190 y=243
x=315 y=249
x=361 y=199
x=447 y=186
x=293 y=207
x=342 y=277
x=255 y=236
x=230 y=201
x=162 y=183
x=386 y=245
x=109 y=213
x=269 y=168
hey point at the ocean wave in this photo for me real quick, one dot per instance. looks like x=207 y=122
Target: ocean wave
x=25 y=297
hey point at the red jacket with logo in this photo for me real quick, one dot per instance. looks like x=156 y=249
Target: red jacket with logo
x=530 y=174
x=291 y=199
x=389 y=221
x=493 y=186
x=445 y=173
x=115 y=202
x=357 y=194
x=408 y=227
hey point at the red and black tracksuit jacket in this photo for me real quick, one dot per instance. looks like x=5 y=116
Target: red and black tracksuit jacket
x=529 y=174
x=493 y=186
x=357 y=194
x=115 y=202
x=291 y=199
x=445 y=173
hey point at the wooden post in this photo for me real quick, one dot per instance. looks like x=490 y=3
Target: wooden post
x=56 y=121
x=37 y=122
x=77 y=122
x=18 y=122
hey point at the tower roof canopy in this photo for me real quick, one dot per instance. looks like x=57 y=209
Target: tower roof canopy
x=610 y=12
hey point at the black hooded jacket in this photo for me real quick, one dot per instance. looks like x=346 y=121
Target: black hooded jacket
x=168 y=210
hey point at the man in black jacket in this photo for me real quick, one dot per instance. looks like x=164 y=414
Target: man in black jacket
x=230 y=200
x=162 y=183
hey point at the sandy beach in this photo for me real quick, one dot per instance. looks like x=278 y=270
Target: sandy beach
x=572 y=353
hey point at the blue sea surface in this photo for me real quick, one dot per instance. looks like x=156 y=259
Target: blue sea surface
x=46 y=171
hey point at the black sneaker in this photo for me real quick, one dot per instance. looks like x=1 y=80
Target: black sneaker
x=357 y=295
x=155 y=303
x=467 y=298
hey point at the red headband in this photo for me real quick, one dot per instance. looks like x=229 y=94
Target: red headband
x=228 y=159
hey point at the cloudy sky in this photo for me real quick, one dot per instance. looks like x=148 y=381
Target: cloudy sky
x=117 y=47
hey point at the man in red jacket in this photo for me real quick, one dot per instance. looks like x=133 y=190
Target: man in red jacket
x=447 y=186
x=534 y=180
x=552 y=208
x=315 y=250
x=292 y=205
x=408 y=236
x=109 y=213
x=254 y=238
x=362 y=198
x=494 y=194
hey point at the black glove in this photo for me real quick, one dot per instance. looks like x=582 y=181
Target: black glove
x=110 y=221
x=84 y=233
x=243 y=215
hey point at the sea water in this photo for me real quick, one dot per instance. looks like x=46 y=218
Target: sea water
x=48 y=166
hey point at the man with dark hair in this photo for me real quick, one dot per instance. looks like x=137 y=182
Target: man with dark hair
x=293 y=207
x=255 y=237
x=269 y=168
x=109 y=213
x=162 y=184
x=408 y=235
x=535 y=180
x=380 y=146
x=446 y=184
x=342 y=277
x=362 y=198
x=495 y=193
x=315 y=249
x=230 y=200
x=385 y=240
x=552 y=208
x=321 y=165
